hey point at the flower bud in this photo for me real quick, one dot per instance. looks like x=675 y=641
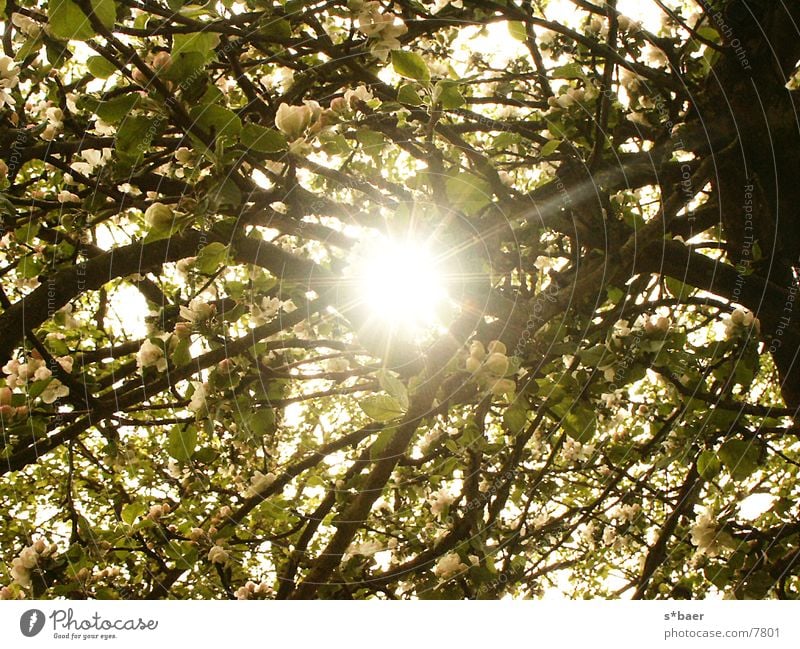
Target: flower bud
x=183 y=155
x=496 y=347
x=473 y=364
x=292 y=121
x=139 y=77
x=476 y=350
x=183 y=330
x=339 y=105
x=217 y=554
x=162 y=61
x=497 y=364
x=159 y=216
x=5 y=396
x=502 y=386
x=7 y=412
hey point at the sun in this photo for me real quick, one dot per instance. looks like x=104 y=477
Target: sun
x=402 y=283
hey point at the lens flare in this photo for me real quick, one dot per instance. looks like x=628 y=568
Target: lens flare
x=401 y=282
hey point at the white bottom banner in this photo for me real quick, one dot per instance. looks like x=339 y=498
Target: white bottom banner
x=391 y=625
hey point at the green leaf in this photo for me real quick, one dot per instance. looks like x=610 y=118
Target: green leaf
x=205 y=455
x=210 y=257
x=185 y=66
x=332 y=143
x=261 y=139
x=394 y=387
x=261 y=422
x=516 y=417
x=181 y=355
x=678 y=289
x=67 y=21
x=276 y=30
x=29 y=46
x=580 y=424
x=569 y=71
x=448 y=95
x=100 y=67
x=468 y=193
x=201 y=42
x=181 y=442
x=222 y=122
x=517 y=31
x=380 y=444
x=371 y=141
x=411 y=66
x=116 y=109
x=225 y=192
x=549 y=148
x=132 y=511
x=407 y=94
x=708 y=465
x=381 y=407
x=30 y=267
x=135 y=135
x=739 y=457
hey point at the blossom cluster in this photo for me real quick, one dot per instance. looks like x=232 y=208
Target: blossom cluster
x=29 y=559
x=383 y=28
x=741 y=321
x=490 y=366
x=251 y=590
x=19 y=375
x=9 y=79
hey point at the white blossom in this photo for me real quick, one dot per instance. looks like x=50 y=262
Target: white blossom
x=54 y=390
x=217 y=554
x=609 y=535
x=183 y=155
x=292 y=121
x=197 y=404
x=197 y=310
x=704 y=533
x=92 y=158
x=66 y=363
x=262 y=313
x=151 y=354
x=439 y=500
x=449 y=565
x=574 y=451
x=360 y=94
x=65 y=196
x=365 y=549
x=9 y=78
x=259 y=483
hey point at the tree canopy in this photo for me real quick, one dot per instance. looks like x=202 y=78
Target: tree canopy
x=399 y=299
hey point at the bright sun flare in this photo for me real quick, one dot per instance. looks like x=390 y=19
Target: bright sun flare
x=402 y=283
